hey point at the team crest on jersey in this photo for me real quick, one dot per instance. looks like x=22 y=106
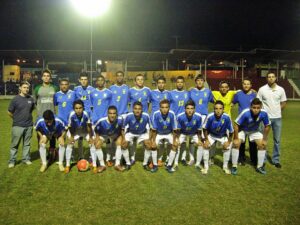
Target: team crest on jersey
x=69 y=96
x=115 y=92
x=223 y=121
x=185 y=95
x=194 y=122
x=124 y=91
x=141 y=121
x=176 y=96
x=96 y=95
x=104 y=95
x=145 y=93
x=168 y=120
x=88 y=92
x=60 y=97
x=205 y=94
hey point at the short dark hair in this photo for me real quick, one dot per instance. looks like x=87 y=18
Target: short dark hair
x=137 y=103
x=219 y=102
x=161 y=78
x=64 y=80
x=164 y=101
x=200 y=77
x=120 y=72
x=224 y=82
x=78 y=102
x=112 y=107
x=247 y=78
x=270 y=72
x=138 y=75
x=83 y=74
x=180 y=78
x=189 y=102
x=48 y=115
x=46 y=71
x=101 y=76
x=256 y=101
x=24 y=82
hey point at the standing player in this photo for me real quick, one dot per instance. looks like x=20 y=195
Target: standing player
x=79 y=126
x=48 y=127
x=274 y=101
x=109 y=127
x=164 y=126
x=137 y=125
x=216 y=128
x=244 y=98
x=247 y=123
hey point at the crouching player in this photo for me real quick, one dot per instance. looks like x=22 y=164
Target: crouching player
x=79 y=126
x=247 y=123
x=189 y=126
x=217 y=128
x=164 y=126
x=109 y=127
x=137 y=125
x=47 y=127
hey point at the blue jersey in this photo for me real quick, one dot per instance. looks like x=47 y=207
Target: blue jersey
x=76 y=122
x=156 y=97
x=247 y=122
x=201 y=99
x=218 y=127
x=120 y=98
x=104 y=128
x=56 y=130
x=178 y=100
x=244 y=100
x=84 y=94
x=189 y=126
x=135 y=125
x=100 y=101
x=64 y=101
x=164 y=124
x=140 y=95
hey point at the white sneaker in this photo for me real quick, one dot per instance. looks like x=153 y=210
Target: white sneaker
x=28 y=162
x=204 y=171
x=61 y=167
x=11 y=165
x=226 y=171
x=43 y=168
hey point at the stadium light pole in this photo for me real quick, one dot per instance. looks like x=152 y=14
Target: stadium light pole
x=91 y=9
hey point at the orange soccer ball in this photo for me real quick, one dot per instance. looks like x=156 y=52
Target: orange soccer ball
x=83 y=165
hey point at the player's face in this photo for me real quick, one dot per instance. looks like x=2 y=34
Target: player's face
x=218 y=110
x=247 y=85
x=200 y=83
x=46 y=77
x=164 y=108
x=78 y=109
x=100 y=82
x=179 y=84
x=255 y=109
x=112 y=115
x=137 y=110
x=64 y=86
x=161 y=85
x=24 y=89
x=84 y=81
x=224 y=88
x=120 y=78
x=190 y=110
x=139 y=81
x=271 y=79
x=49 y=123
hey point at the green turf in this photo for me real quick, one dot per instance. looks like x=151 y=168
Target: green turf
x=139 y=197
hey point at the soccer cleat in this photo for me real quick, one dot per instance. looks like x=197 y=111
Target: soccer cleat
x=191 y=162
x=67 y=169
x=160 y=163
x=204 y=171
x=28 y=162
x=170 y=169
x=101 y=169
x=146 y=168
x=61 y=167
x=277 y=165
x=11 y=165
x=119 y=168
x=109 y=163
x=154 y=169
x=226 y=171
x=183 y=162
x=261 y=170
x=43 y=168
x=234 y=171
x=127 y=167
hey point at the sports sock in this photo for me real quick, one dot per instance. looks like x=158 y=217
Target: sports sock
x=205 y=158
x=80 y=148
x=118 y=155
x=260 y=158
x=177 y=155
x=199 y=155
x=226 y=156
x=147 y=155
x=125 y=154
x=43 y=153
x=183 y=156
x=93 y=155
x=172 y=156
x=235 y=156
x=154 y=157
x=68 y=154
x=61 y=154
x=192 y=152
x=99 y=154
x=107 y=157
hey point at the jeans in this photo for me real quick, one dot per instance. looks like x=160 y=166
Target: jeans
x=17 y=134
x=276 y=125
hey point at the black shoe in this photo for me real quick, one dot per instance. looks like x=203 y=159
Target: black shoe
x=183 y=162
x=127 y=167
x=277 y=165
x=146 y=167
x=154 y=169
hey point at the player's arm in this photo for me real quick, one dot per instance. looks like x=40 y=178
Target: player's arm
x=282 y=105
x=227 y=144
x=205 y=141
x=153 y=138
x=236 y=128
x=199 y=134
x=10 y=114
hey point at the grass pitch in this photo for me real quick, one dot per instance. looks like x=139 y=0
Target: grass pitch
x=138 y=197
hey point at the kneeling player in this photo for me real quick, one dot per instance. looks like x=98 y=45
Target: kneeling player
x=48 y=127
x=137 y=125
x=247 y=123
x=215 y=128
x=189 y=127
x=79 y=126
x=109 y=127
x=164 y=126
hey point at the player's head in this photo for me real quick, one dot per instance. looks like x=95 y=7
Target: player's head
x=164 y=106
x=161 y=83
x=271 y=78
x=83 y=79
x=246 y=84
x=24 y=88
x=218 y=108
x=137 y=108
x=139 y=80
x=78 y=107
x=200 y=80
x=46 y=76
x=190 y=108
x=179 y=82
x=255 y=106
x=224 y=87
x=100 y=81
x=64 y=84
x=112 y=113
x=48 y=116
x=120 y=77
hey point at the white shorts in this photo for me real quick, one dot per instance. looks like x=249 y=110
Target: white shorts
x=78 y=135
x=253 y=135
x=194 y=138
x=222 y=140
x=140 y=137
x=161 y=137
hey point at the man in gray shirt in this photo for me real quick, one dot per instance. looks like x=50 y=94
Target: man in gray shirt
x=20 y=110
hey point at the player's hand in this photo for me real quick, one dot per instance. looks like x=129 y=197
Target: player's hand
x=153 y=145
x=71 y=140
x=236 y=143
x=226 y=145
x=206 y=144
x=200 y=143
x=124 y=144
x=264 y=143
x=91 y=141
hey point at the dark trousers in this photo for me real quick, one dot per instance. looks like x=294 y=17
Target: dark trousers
x=252 y=151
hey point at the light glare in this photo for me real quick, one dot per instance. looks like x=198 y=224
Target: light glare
x=91 y=8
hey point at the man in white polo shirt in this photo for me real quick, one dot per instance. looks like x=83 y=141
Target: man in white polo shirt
x=274 y=100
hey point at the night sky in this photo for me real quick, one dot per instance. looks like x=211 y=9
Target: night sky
x=150 y=25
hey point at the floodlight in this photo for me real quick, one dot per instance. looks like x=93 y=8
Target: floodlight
x=91 y=8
